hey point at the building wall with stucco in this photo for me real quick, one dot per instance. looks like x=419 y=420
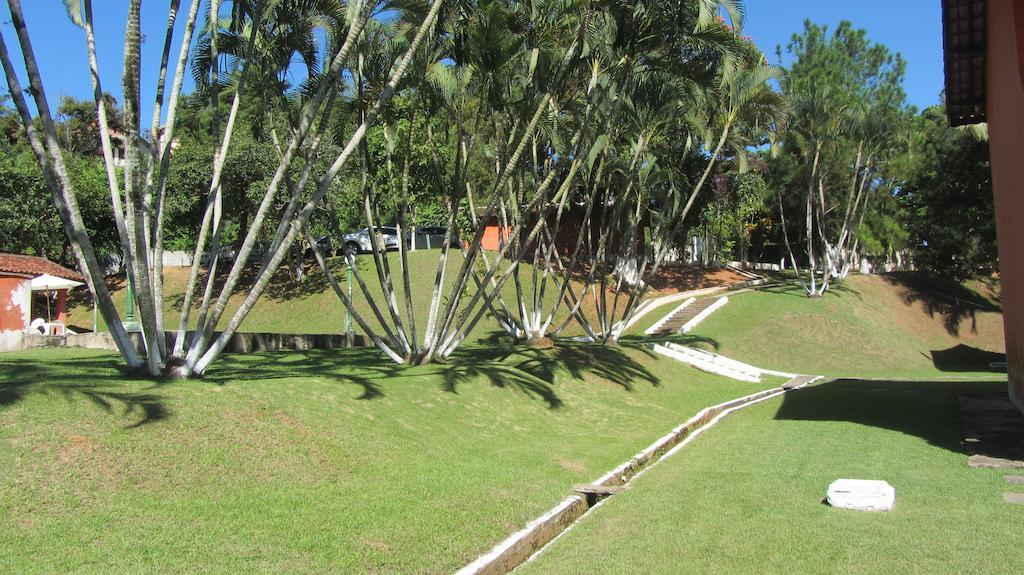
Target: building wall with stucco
x=1006 y=132
x=15 y=310
x=15 y=302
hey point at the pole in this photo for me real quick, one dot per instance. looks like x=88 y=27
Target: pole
x=129 y=314
x=348 y=314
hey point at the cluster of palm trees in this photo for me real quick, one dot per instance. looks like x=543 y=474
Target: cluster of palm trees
x=847 y=118
x=599 y=121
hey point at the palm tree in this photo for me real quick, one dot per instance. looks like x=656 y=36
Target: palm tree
x=554 y=108
x=47 y=151
x=357 y=17
x=199 y=363
x=639 y=180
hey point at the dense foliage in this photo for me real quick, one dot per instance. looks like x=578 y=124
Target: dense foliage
x=594 y=138
x=947 y=197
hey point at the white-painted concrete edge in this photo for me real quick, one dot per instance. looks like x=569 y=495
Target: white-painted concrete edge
x=716 y=359
x=779 y=373
x=484 y=560
x=725 y=413
x=661 y=322
x=735 y=266
x=686 y=441
x=704 y=314
x=705 y=364
x=731 y=363
x=653 y=304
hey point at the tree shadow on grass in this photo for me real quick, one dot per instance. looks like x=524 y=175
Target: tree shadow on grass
x=100 y=381
x=536 y=372
x=951 y=300
x=961 y=358
x=363 y=367
x=684 y=339
x=794 y=289
x=283 y=287
x=928 y=410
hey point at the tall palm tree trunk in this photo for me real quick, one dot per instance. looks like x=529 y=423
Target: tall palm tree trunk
x=263 y=280
x=50 y=159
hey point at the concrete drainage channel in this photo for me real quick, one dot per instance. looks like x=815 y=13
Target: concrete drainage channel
x=521 y=546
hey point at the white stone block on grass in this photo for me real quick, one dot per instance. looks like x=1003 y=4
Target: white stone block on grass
x=861 y=495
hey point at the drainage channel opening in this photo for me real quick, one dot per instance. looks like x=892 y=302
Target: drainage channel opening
x=597 y=493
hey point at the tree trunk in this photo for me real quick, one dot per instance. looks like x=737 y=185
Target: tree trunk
x=55 y=174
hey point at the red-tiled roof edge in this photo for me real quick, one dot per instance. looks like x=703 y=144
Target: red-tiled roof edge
x=35 y=266
x=965 y=46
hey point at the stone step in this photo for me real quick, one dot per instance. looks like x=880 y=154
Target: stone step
x=683 y=316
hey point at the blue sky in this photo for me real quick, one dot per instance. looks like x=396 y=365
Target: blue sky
x=911 y=27
x=60 y=46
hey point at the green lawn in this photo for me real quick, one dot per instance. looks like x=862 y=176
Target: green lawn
x=314 y=462
x=342 y=462
x=868 y=326
x=746 y=497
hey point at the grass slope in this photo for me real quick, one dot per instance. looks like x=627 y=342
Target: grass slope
x=314 y=462
x=746 y=496
x=311 y=306
x=884 y=326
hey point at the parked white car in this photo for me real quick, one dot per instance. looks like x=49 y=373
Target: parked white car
x=359 y=242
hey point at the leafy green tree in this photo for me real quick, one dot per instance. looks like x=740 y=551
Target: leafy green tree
x=28 y=222
x=79 y=130
x=846 y=105
x=947 y=196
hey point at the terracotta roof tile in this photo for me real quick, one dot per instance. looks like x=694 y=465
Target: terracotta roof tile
x=965 y=41
x=36 y=266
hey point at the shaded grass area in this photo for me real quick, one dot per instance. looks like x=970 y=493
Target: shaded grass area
x=746 y=497
x=314 y=462
x=885 y=326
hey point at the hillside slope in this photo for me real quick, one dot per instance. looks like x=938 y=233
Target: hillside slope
x=311 y=306
x=868 y=325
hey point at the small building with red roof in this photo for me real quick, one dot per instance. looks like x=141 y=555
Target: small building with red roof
x=33 y=294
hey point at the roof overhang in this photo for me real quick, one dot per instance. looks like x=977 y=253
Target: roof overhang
x=965 y=39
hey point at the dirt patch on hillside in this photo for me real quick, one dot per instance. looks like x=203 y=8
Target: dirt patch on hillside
x=674 y=279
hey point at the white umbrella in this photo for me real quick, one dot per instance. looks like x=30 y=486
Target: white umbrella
x=46 y=282
x=49 y=283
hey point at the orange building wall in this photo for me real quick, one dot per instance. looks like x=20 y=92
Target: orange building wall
x=61 y=307
x=1006 y=133
x=494 y=238
x=15 y=304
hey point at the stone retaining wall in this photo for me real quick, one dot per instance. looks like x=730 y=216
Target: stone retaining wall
x=240 y=342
